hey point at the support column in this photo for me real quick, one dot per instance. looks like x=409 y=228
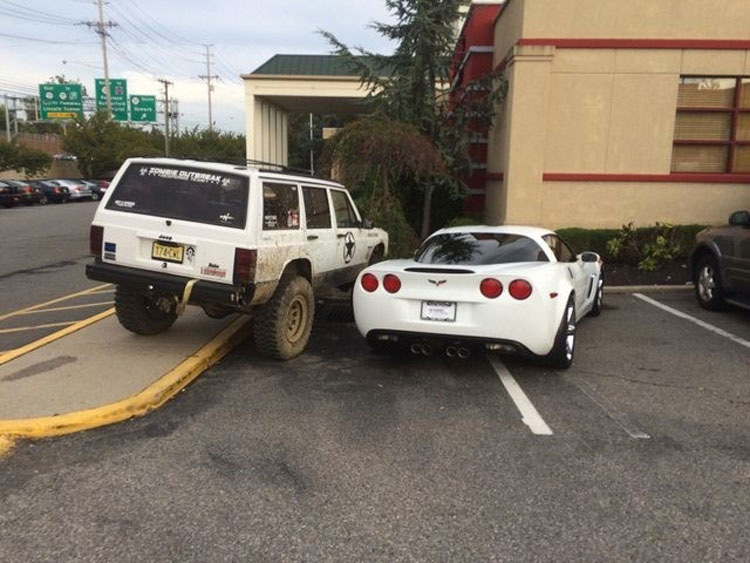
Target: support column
x=519 y=200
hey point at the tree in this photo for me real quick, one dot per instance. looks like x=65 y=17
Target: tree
x=102 y=145
x=412 y=85
x=382 y=157
x=17 y=157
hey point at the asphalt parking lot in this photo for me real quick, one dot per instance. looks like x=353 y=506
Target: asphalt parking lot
x=639 y=452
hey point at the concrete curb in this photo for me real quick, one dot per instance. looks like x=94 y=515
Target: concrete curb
x=647 y=288
x=150 y=398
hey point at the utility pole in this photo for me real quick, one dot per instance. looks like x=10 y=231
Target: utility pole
x=167 y=84
x=207 y=77
x=312 y=164
x=176 y=104
x=100 y=29
x=7 y=118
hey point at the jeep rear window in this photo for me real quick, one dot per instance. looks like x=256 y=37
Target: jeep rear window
x=177 y=192
x=476 y=249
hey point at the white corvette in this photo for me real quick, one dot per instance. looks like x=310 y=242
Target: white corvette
x=510 y=289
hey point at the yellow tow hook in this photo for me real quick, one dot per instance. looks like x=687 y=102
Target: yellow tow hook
x=180 y=309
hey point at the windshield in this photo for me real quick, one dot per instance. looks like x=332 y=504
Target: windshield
x=476 y=249
x=179 y=192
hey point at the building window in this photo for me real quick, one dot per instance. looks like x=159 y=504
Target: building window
x=712 y=129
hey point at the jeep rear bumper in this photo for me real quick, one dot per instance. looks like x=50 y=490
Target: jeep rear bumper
x=203 y=292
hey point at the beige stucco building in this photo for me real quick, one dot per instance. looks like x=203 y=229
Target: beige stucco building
x=620 y=111
x=616 y=110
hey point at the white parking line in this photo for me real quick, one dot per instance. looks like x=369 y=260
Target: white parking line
x=529 y=415
x=700 y=323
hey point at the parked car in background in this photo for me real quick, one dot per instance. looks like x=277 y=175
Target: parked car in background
x=8 y=195
x=28 y=194
x=78 y=190
x=51 y=191
x=96 y=191
x=518 y=290
x=720 y=264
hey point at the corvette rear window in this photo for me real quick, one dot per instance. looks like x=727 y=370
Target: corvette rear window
x=476 y=249
x=177 y=192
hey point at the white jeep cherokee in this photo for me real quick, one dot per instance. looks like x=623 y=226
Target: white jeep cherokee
x=229 y=239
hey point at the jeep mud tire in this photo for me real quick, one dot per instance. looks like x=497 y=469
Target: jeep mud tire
x=139 y=313
x=282 y=326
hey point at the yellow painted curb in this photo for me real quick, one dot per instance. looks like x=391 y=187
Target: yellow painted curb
x=18 y=352
x=6 y=444
x=152 y=397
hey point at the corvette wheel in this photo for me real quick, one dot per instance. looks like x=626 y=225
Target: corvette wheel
x=708 y=288
x=596 y=308
x=563 y=351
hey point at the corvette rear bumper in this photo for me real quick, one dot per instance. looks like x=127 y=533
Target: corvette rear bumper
x=442 y=340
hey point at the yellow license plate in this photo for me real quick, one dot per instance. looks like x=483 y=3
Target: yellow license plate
x=168 y=252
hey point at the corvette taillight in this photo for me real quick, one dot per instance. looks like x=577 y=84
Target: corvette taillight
x=96 y=236
x=391 y=283
x=491 y=288
x=519 y=289
x=369 y=283
x=244 y=266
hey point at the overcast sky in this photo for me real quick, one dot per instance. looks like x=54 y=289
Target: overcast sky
x=164 y=39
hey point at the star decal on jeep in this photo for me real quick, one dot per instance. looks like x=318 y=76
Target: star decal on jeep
x=349 y=247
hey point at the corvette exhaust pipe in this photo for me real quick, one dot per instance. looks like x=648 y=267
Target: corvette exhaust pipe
x=426 y=349
x=451 y=351
x=416 y=348
x=463 y=353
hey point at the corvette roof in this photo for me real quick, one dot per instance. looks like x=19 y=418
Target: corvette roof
x=499 y=229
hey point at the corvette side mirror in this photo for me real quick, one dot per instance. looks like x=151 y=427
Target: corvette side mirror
x=589 y=257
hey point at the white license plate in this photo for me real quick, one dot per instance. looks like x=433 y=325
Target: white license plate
x=439 y=311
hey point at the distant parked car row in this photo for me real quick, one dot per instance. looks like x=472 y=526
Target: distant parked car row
x=29 y=192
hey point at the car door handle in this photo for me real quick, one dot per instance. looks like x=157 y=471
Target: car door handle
x=340 y=235
x=312 y=237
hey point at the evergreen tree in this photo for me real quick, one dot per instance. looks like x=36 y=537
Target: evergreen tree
x=412 y=86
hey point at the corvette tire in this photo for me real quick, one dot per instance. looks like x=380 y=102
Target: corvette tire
x=563 y=351
x=596 y=308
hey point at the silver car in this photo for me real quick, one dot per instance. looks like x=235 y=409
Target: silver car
x=78 y=190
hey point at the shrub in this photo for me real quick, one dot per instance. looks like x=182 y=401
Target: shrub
x=646 y=247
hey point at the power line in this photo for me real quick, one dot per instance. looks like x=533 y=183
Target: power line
x=46 y=40
x=157 y=32
x=20 y=8
x=138 y=29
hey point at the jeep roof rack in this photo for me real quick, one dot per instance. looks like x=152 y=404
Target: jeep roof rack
x=274 y=167
x=261 y=165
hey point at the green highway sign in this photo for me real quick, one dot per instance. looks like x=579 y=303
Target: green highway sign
x=143 y=108
x=118 y=88
x=61 y=101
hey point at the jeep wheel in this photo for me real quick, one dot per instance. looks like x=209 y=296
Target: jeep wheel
x=143 y=314
x=282 y=326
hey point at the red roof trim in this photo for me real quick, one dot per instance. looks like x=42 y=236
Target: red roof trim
x=586 y=43
x=651 y=178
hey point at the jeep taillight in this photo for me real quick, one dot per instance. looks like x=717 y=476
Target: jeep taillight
x=244 y=266
x=96 y=236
